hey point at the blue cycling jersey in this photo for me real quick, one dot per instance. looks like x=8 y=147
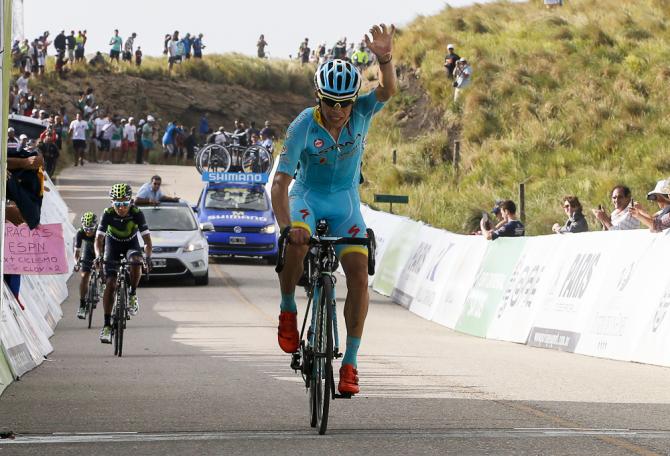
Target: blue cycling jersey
x=326 y=165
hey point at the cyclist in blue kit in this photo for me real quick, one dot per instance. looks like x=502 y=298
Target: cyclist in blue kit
x=327 y=141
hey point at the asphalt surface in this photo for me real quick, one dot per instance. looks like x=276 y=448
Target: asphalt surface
x=201 y=374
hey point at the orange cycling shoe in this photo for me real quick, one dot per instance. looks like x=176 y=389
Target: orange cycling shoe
x=348 y=379
x=287 y=333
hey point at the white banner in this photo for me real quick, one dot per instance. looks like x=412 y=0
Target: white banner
x=396 y=253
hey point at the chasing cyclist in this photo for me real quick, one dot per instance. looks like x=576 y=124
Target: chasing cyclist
x=328 y=141
x=117 y=233
x=84 y=255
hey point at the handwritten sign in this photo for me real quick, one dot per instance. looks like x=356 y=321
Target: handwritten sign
x=40 y=251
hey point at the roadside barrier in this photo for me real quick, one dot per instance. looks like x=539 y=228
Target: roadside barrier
x=603 y=294
x=27 y=324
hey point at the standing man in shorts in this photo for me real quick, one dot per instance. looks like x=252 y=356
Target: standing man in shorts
x=78 y=128
x=129 y=137
x=115 y=42
x=148 y=137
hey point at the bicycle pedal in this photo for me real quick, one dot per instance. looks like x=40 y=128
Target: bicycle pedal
x=295 y=362
x=338 y=355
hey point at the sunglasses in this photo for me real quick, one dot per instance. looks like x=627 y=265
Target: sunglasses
x=121 y=203
x=334 y=103
x=89 y=228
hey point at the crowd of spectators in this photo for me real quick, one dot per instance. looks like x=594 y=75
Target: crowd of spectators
x=180 y=49
x=359 y=54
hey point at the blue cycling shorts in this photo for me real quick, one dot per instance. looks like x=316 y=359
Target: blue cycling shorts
x=342 y=211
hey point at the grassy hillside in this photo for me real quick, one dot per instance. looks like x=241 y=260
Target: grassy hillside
x=570 y=100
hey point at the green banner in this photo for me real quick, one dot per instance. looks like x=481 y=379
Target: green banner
x=486 y=294
x=395 y=256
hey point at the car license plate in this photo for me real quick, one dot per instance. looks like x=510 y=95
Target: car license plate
x=235 y=240
x=158 y=262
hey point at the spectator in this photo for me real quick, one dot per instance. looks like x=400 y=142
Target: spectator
x=268 y=132
x=71 y=44
x=450 y=61
x=41 y=51
x=59 y=130
x=173 y=50
x=148 y=137
x=463 y=75
x=22 y=83
x=203 y=127
x=304 y=52
x=116 y=139
x=150 y=193
x=90 y=96
x=79 y=47
x=340 y=49
x=60 y=64
x=115 y=42
x=351 y=51
x=128 y=48
x=50 y=152
x=77 y=130
x=241 y=133
x=108 y=130
x=621 y=218
x=129 y=138
x=576 y=222
x=198 y=46
x=13 y=142
x=139 y=151
x=97 y=60
x=187 y=44
x=252 y=130
x=512 y=226
x=24 y=185
x=138 y=56
x=260 y=45
x=190 y=144
x=661 y=219
x=360 y=58
x=169 y=145
x=60 y=43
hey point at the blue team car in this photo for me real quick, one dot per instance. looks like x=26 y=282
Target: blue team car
x=238 y=220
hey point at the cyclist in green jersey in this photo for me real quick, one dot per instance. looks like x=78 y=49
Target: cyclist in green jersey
x=117 y=233
x=328 y=142
x=84 y=254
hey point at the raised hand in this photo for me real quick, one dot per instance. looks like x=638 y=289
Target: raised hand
x=381 y=43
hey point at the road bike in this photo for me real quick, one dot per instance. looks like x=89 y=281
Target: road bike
x=231 y=156
x=120 y=315
x=320 y=344
x=96 y=284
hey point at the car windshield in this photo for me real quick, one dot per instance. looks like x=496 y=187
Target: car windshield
x=236 y=198
x=170 y=218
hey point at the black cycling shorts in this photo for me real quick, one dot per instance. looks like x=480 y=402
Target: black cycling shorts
x=115 y=249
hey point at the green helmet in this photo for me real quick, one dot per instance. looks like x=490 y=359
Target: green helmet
x=88 y=219
x=120 y=192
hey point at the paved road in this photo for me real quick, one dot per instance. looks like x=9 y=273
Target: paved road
x=201 y=374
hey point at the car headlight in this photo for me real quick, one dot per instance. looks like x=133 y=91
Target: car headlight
x=193 y=246
x=270 y=229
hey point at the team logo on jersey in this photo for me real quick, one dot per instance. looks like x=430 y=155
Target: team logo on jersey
x=318 y=143
x=305 y=213
x=354 y=230
x=322 y=160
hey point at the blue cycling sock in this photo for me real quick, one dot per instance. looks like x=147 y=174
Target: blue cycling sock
x=288 y=303
x=351 y=352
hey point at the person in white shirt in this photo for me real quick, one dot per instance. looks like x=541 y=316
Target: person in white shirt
x=129 y=137
x=621 y=218
x=22 y=83
x=462 y=76
x=77 y=132
x=151 y=193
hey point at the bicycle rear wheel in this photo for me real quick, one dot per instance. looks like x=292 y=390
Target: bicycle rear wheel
x=322 y=380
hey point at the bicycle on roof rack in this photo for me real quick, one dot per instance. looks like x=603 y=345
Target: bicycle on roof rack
x=228 y=155
x=320 y=344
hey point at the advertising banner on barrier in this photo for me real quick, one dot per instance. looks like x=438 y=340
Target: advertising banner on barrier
x=653 y=339
x=413 y=275
x=33 y=293
x=515 y=314
x=426 y=287
x=618 y=315
x=457 y=277
x=384 y=225
x=37 y=341
x=15 y=345
x=486 y=294
x=395 y=256
x=581 y=265
x=5 y=371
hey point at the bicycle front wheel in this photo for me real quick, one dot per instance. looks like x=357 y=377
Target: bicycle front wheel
x=91 y=296
x=322 y=379
x=121 y=306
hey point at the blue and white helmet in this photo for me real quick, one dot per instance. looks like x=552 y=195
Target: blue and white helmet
x=337 y=79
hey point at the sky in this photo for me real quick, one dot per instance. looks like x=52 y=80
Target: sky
x=227 y=26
